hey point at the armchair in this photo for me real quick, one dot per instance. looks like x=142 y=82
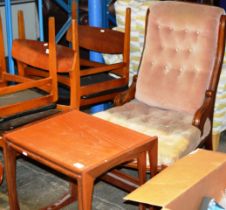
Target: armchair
x=173 y=95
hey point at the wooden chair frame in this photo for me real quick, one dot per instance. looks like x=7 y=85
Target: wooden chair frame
x=119 y=42
x=110 y=42
x=48 y=84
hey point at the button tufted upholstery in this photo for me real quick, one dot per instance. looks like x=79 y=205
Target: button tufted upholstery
x=182 y=59
x=138 y=16
x=179 y=55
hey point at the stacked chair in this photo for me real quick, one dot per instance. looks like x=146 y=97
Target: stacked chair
x=22 y=99
x=93 y=82
x=65 y=58
x=26 y=99
x=102 y=82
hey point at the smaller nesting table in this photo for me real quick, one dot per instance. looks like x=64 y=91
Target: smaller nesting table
x=80 y=146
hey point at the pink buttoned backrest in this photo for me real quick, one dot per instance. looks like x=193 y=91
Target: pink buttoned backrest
x=179 y=55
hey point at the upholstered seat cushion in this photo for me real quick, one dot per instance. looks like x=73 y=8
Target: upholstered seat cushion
x=176 y=135
x=22 y=118
x=19 y=97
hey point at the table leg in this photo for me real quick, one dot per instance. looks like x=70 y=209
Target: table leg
x=85 y=192
x=141 y=164
x=153 y=158
x=10 y=168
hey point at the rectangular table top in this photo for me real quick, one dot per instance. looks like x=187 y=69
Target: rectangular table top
x=76 y=140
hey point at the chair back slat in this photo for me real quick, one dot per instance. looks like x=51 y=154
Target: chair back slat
x=102 y=39
x=111 y=41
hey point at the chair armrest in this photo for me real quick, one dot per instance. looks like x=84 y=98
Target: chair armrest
x=205 y=111
x=127 y=95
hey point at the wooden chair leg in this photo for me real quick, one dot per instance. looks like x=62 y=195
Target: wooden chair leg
x=10 y=168
x=209 y=143
x=21 y=34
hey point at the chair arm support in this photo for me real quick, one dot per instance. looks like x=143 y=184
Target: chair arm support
x=204 y=111
x=127 y=95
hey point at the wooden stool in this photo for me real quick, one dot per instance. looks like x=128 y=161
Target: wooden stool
x=80 y=146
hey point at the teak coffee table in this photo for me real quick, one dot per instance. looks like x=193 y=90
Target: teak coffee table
x=80 y=146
